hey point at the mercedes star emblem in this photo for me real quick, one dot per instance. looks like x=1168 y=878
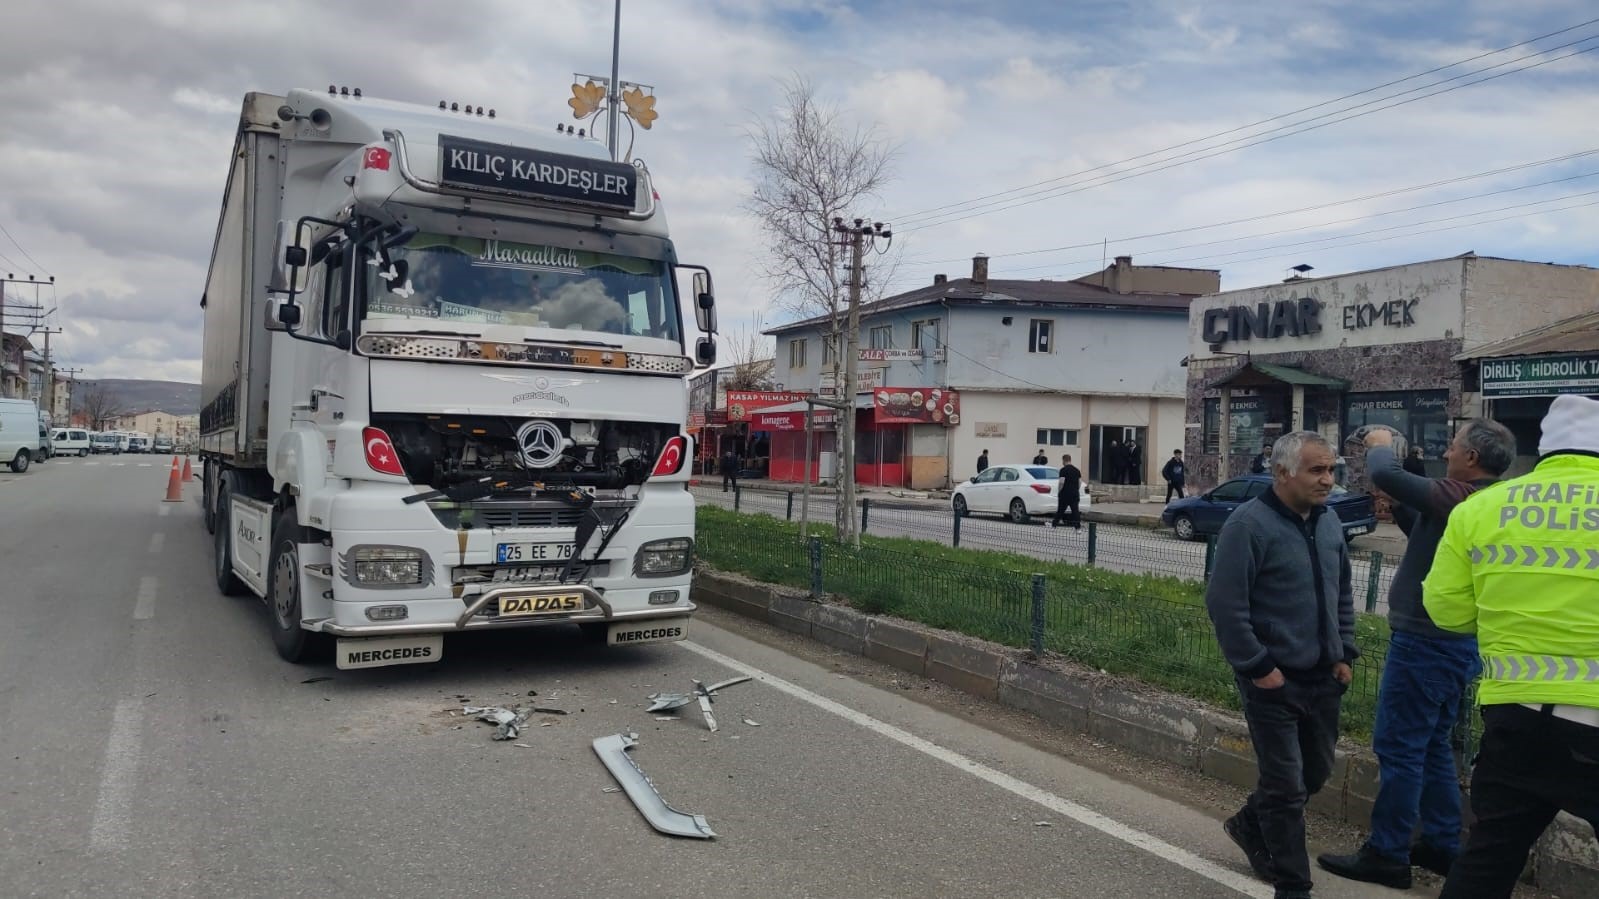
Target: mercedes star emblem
x=541 y=443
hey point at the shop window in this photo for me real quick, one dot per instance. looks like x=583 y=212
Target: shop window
x=1421 y=416
x=1248 y=425
x=796 y=353
x=1057 y=437
x=881 y=337
x=1041 y=335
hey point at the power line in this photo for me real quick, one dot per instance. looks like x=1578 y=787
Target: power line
x=925 y=213
x=1319 y=206
x=1362 y=218
x=1178 y=161
x=25 y=255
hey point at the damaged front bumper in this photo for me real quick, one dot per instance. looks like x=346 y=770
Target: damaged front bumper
x=613 y=754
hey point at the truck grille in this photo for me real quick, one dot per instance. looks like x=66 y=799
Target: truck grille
x=518 y=514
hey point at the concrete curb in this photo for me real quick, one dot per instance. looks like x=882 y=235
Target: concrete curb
x=1141 y=719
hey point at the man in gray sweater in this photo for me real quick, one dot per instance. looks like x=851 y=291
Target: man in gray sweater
x=1282 y=605
x=1427 y=669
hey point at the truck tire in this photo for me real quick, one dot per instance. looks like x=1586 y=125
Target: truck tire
x=20 y=463
x=294 y=643
x=227 y=582
x=208 y=506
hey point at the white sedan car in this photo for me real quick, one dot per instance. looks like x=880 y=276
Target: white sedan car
x=1016 y=491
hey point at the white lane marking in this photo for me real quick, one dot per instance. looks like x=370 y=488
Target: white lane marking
x=119 y=464
x=1065 y=807
x=144 y=609
x=157 y=540
x=164 y=511
x=91 y=463
x=111 y=825
x=146 y=465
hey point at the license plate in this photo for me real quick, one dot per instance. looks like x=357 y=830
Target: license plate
x=376 y=652
x=528 y=606
x=534 y=552
x=667 y=630
x=1360 y=530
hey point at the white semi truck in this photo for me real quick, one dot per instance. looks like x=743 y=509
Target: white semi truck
x=444 y=383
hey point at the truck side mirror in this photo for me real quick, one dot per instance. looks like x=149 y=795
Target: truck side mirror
x=705 y=352
x=704 y=302
x=289 y=315
x=290 y=261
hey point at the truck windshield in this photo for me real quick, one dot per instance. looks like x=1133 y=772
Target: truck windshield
x=468 y=279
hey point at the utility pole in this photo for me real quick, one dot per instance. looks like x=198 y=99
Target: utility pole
x=72 y=388
x=616 y=79
x=862 y=236
x=48 y=394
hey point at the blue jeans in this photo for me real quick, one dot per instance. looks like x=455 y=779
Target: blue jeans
x=1423 y=681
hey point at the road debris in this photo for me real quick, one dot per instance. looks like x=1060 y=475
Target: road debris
x=316 y=680
x=510 y=723
x=752 y=723
x=1043 y=823
x=665 y=702
x=613 y=754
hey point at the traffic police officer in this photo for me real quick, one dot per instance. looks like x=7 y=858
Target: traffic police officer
x=1519 y=566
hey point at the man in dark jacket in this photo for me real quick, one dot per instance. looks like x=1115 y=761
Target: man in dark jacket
x=729 y=470
x=1281 y=600
x=1135 y=463
x=1413 y=463
x=1116 y=455
x=1069 y=494
x=1426 y=672
x=1176 y=475
x=982 y=462
x=1261 y=464
x=1040 y=458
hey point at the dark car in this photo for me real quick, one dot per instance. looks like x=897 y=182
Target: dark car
x=1196 y=516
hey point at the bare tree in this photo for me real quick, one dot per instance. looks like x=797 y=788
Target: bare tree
x=101 y=406
x=752 y=356
x=811 y=167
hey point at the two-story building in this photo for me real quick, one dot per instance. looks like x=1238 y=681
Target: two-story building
x=1013 y=367
x=1394 y=346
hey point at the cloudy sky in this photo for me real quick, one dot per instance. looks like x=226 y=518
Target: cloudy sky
x=1053 y=115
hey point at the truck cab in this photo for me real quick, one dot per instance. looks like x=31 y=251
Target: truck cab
x=477 y=417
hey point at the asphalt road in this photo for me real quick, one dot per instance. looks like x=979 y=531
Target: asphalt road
x=1122 y=548
x=154 y=745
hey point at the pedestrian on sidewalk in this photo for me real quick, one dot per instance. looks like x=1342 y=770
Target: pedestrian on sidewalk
x=982 y=462
x=1510 y=568
x=729 y=470
x=1135 y=463
x=1414 y=463
x=1261 y=464
x=1069 y=495
x=1427 y=669
x=1040 y=458
x=1283 y=607
x=1176 y=475
x=1117 y=456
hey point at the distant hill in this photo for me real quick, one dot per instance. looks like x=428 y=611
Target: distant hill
x=175 y=397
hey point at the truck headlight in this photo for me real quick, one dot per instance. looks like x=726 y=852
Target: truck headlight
x=387 y=566
x=663 y=558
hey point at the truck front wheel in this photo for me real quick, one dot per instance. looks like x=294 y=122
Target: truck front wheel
x=294 y=643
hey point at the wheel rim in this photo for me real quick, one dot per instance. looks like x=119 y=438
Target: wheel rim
x=286 y=586
x=1185 y=529
x=1018 y=511
x=960 y=505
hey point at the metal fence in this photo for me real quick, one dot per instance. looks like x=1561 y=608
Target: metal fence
x=1083 y=617
x=1125 y=548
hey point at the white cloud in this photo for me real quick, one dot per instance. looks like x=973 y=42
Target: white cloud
x=909 y=103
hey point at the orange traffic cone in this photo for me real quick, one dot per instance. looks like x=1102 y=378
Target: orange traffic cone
x=188 y=473
x=174 y=486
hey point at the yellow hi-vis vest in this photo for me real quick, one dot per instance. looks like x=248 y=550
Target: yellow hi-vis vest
x=1519 y=567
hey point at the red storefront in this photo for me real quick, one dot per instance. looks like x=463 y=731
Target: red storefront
x=884 y=420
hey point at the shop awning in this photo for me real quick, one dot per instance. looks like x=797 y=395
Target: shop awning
x=1579 y=334
x=1265 y=374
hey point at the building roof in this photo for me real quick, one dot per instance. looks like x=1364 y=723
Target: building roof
x=1255 y=374
x=1570 y=335
x=962 y=291
x=1469 y=254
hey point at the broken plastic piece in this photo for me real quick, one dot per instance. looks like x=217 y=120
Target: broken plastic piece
x=664 y=702
x=752 y=723
x=510 y=723
x=613 y=754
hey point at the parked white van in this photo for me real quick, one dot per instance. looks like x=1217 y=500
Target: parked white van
x=70 y=442
x=21 y=433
